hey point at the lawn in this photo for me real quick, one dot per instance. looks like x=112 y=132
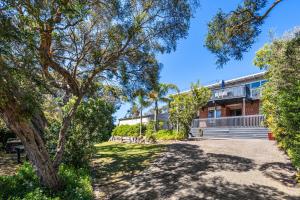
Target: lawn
x=117 y=160
x=116 y=163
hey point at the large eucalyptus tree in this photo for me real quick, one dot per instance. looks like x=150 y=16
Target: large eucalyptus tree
x=62 y=47
x=232 y=34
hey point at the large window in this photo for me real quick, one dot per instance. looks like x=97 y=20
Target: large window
x=211 y=114
x=214 y=113
x=255 y=88
x=218 y=113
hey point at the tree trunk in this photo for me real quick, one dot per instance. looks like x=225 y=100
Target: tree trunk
x=30 y=132
x=155 y=117
x=141 y=120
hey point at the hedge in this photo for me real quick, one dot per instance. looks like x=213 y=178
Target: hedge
x=134 y=131
x=169 y=135
x=128 y=130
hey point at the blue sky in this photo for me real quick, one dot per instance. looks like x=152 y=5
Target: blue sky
x=192 y=61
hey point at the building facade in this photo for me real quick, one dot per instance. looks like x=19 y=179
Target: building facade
x=163 y=117
x=235 y=97
x=233 y=110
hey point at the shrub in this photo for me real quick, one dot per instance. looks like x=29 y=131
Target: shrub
x=169 y=135
x=128 y=130
x=93 y=123
x=5 y=134
x=281 y=102
x=150 y=127
x=76 y=185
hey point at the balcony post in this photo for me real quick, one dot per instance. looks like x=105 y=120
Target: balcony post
x=244 y=106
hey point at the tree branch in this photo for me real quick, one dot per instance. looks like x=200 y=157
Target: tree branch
x=62 y=133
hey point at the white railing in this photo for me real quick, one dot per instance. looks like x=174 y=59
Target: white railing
x=236 y=121
x=229 y=92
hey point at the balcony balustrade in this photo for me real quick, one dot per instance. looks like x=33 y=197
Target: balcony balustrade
x=236 y=121
x=230 y=92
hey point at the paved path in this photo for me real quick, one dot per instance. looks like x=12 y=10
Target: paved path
x=215 y=169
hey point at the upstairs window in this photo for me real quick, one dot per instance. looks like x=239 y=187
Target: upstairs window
x=255 y=88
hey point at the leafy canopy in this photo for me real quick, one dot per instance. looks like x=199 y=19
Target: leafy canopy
x=281 y=102
x=232 y=34
x=184 y=107
x=62 y=49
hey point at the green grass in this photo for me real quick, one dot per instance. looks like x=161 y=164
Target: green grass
x=116 y=161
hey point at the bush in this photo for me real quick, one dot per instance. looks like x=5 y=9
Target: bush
x=281 y=102
x=169 y=135
x=76 y=185
x=93 y=123
x=128 y=130
x=5 y=134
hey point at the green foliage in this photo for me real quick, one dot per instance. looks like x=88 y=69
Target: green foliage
x=281 y=102
x=169 y=135
x=76 y=182
x=63 y=48
x=93 y=123
x=184 y=107
x=159 y=94
x=150 y=126
x=5 y=134
x=128 y=130
x=76 y=185
x=232 y=34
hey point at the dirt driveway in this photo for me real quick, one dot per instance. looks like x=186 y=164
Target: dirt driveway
x=215 y=169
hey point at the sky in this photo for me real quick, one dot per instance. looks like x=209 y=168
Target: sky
x=192 y=61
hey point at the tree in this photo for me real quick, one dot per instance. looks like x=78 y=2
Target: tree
x=133 y=111
x=92 y=123
x=159 y=94
x=184 y=106
x=280 y=99
x=142 y=103
x=232 y=34
x=62 y=48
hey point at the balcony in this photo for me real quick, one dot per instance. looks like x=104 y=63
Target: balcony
x=237 y=121
x=229 y=93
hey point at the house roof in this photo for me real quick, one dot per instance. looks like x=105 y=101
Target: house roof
x=160 y=116
x=233 y=81
x=128 y=118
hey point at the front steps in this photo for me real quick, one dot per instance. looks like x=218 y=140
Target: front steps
x=238 y=133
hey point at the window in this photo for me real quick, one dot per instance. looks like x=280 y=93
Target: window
x=214 y=113
x=255 y=88
x=218 y=113
x=255 y=84
x=211 y=114
x=263 y=82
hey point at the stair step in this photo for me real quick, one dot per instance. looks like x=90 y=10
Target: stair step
x=247 y=133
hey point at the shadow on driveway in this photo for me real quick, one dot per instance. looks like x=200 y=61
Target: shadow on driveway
x=180 y=174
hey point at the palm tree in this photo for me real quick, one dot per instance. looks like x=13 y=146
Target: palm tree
x=134 y=110
x=159 y=94
x=142 y=102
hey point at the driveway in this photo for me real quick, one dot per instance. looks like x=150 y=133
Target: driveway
x=215 y=169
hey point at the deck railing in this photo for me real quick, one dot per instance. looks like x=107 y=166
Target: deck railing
x=236 y=121
x=229 y=92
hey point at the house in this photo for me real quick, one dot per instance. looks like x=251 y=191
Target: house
x=233 y=109
x=145 y=119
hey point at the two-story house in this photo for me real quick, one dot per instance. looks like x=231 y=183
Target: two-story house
x=233 y=110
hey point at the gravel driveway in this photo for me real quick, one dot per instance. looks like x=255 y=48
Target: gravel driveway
x=215 y=169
